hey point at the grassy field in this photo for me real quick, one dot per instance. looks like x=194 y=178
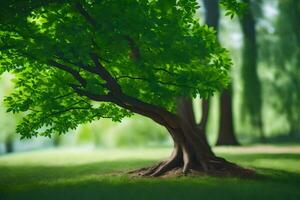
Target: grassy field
x=97 y=174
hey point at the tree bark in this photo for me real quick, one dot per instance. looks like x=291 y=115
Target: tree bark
x=226 y=134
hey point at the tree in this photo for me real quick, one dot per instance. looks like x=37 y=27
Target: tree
x=78 y=61
x=226 y=135
x=281 y=54
x=251 y=97
x=8 y=121
x=9 y=148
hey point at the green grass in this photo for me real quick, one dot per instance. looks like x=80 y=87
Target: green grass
x=87 y=174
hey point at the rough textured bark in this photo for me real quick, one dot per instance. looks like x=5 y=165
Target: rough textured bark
x=252 y=100
x=226 y=134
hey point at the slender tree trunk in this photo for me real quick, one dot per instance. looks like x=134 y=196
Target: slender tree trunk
x=9 y=145
x=56 y=140
x=252 y=100
x=226 y=134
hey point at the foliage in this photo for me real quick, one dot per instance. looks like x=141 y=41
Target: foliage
x=155 y=50
x=233 y=7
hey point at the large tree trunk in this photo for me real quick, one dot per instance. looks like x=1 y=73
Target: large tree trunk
x=191 y=154
x=252 y=100
x=226 y=134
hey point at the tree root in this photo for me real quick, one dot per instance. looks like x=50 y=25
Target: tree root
x=216 y=167
x=156 y=170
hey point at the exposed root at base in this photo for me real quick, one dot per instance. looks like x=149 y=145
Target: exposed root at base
x=218 y=167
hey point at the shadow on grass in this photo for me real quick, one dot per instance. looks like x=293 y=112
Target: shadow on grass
x=104 y=180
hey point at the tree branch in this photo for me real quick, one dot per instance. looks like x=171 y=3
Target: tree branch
x=116 y=95
x=85 y=14
x=135 y=51
x=111 y=82
x=92 y=96
x=164 y=70
x=69 y=70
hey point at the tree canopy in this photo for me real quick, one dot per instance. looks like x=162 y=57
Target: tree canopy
x=76 y=61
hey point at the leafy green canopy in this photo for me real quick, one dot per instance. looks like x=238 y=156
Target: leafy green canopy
x=156 y=50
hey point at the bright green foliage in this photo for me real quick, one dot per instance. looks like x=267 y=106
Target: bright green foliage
x=233 y=7
x=155 y=50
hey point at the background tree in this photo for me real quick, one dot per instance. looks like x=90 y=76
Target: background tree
x=78 y=61
x=8 y=121
x=251 y=96
x=281 y=52
x=226 y=135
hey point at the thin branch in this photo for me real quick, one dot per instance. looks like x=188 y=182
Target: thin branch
x=158 y=81
x=164 y=70
x=112 y=84
x=69 y=70
x=135 y=51
x=92 y=96
x=85 y=14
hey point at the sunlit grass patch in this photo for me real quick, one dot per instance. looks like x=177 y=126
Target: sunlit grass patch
x=100 y=174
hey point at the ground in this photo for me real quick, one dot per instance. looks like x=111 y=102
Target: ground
x=98 y=174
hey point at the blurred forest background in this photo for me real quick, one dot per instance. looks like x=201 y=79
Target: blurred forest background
x=265 y=90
